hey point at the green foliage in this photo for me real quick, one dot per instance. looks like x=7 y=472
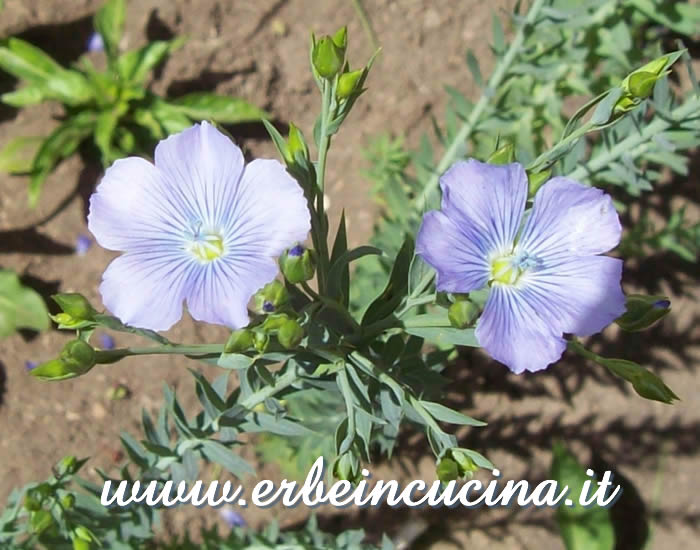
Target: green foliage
x=582 y=528
x=20 y=306
x=113 y=108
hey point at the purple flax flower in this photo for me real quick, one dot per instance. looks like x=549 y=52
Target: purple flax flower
x=544 y=274
x=106 y=341
x=198 y=226
x=30 y=365
x=82 y=245
x=232 y=518
x=95 y=43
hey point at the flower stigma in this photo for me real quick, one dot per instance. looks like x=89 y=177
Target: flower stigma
x=508 y=269
x=205 y=245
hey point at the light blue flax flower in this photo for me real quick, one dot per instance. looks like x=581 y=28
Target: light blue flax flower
x=198 y=226
x=545 y=275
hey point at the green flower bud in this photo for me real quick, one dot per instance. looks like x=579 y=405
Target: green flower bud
x=640 y=83
x=260 y=341
x=347 y=467
x=502 y=155
x=68 y=501
x=347 y=83
x=296 y=143
x=536 y=180
x=76 y=358
x=298 y=264
x=290 y=334
x=467 y=466
x=75 y=305
x=83 y=533
x=643 y=311
x=462 y=313
x=644 y=382
x=327 y=57
x=271 y=297
x=31 y=503
x=239 y=341
x=67 y=466
x=80 y=544
x=274 y=322
x=447 y=470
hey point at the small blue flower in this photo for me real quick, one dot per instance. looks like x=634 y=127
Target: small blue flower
x=198 y=227
x=30 y=365
x=232 y=518
x=545 y=275
x=296 y=251
x=106 y=341
x=82 y=245
x=95 y=43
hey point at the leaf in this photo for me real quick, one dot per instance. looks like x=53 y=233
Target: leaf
x=473 y=64
x=17 y=156
x=207 y=106
x=134 y=66
x=105 y=126
x=446 y=335
x=604 y=110
x=219 y=454
x=21 y=59
x=61 y=143
x=339 y=274
x=236 y=361
x=28 y=95
x=341 y=281
x=109 y=22
x=588 y=528
x=445 y=414
x=386 y=303
x=264 y=422
x=20 y=306
x=417 y=274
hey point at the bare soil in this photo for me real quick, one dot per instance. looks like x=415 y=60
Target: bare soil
x=258 y=50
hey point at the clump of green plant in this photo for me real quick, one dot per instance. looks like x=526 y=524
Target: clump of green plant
x=20 y=306
x=114 y=109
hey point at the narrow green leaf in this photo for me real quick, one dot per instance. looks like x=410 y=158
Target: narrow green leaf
x=206 y=106
x=17 y=156
x=134 y=66
x=20 y=306
x=109 y=22
x=219 y=454
x=445 y=414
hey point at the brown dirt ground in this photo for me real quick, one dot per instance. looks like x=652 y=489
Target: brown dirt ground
x=257 y=50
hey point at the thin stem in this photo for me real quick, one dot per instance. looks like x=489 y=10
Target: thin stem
x=366 y=25
x=284 y=381
x=499 y=73
x=310 y=291
x=414 y=302
x=323 y=145
x=108 y=356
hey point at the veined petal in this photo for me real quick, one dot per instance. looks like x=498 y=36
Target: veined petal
x=570 y=219
x=456 y=253
x=132 y=210
x=513 y=333
x=487 y=199
x=221 y=290
x=579 y=295
x=269 y=214
x=146 y=289
x=202 y=168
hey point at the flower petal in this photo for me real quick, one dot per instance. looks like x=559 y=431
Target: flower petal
x=202 y=168
x=578 y=296
x=455 y=253
x=570 y=219
x=513 y=333
x=132 y=210
x=488 y=199
x=147 y=289
x=269 y=214
x=221 y=290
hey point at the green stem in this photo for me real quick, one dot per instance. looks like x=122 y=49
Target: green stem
x=290 y=377
x=323 y=145
x=415 y=302
x=310 y=291
x=499 y=74
x=108 y=356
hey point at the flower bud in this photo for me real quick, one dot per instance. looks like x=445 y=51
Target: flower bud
x=340 y=38
x=643 y=311
x=271 y=297
x=327 y=57
x=274 y=322
x=68 y=465
x=298 y=264
x=347 y=467
x=68 y=501
x=347 y=83
x=462 y=313
x=447 y=470
x=639 y=85
x=40 y=521
x=290 y=334
x=75 y=305
x=260 y=341
x=31 y=503
x=502 y=155
x=644 y=382
x=80 y=544
x=76 y=358
x=83 y=533
x=239 y=341
x=467 y=466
